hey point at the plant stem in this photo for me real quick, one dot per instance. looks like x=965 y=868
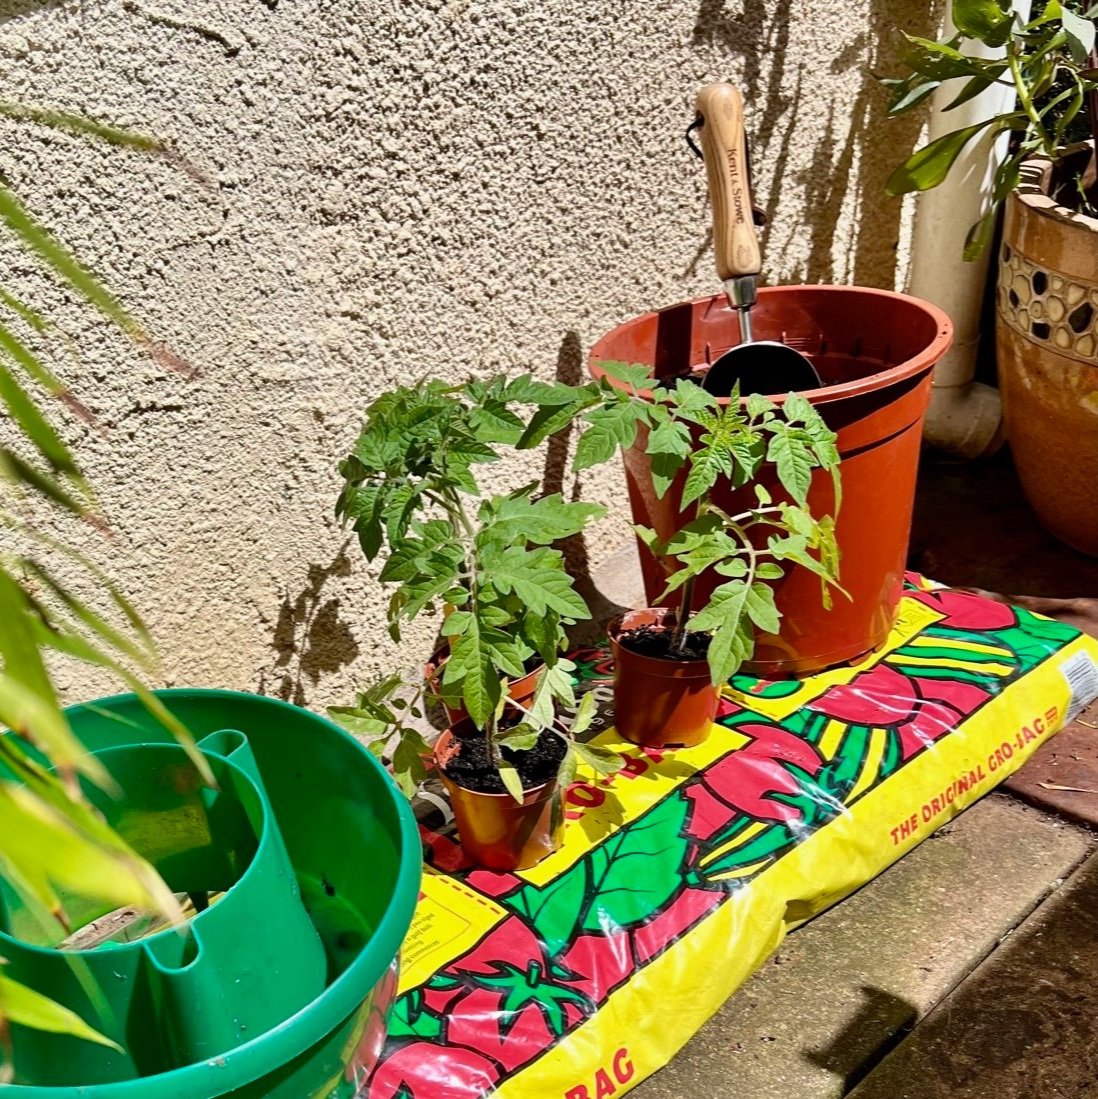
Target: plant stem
x=682 y=616
x=457 y=512
x=1027 y=103
x=490 y=729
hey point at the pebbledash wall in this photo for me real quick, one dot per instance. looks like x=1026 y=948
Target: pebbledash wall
x=397 y=189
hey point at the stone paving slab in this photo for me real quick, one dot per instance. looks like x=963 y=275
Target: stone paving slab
x=1062 y=776
x=1022 y=1026
x=846 y=988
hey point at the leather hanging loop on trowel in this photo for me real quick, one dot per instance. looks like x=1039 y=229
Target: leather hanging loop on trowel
x=762 y=366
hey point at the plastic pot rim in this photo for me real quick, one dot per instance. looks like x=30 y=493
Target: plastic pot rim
x=195 y=923
x=534 y=795
x=253 y=1060
x=655 y=666
x=871 y=382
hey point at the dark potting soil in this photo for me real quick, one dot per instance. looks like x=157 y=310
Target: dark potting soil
x=472 y=766
x=656 y=641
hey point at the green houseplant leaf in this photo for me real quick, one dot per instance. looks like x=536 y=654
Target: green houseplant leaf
x=987 y=20
x=52 y=844
x=930 y=165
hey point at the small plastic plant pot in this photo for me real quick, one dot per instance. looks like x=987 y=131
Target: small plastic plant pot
x=496 y=831
x=875 y=351
x=520 y=691
x=355 y=852
x=239 y=967
x=659 y=703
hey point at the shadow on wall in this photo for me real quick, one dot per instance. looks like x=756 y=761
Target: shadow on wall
x=846 y=169
x=13 y=9
x=310 y=639
x=570 y=370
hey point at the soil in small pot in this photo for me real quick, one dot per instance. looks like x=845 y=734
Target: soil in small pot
x=472 y=766
x=656 y=641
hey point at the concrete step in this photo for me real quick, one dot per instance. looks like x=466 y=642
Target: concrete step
x=1022 y=1025
x=847 y=988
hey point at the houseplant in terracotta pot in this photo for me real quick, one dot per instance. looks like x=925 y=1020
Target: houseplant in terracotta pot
x=488 y=560
x=507 y=791
x=1047 y=180
x=873 y=351
x=720 y=568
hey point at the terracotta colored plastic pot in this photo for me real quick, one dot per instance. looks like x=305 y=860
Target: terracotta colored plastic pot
x=496 y=831
x=521 y=691
x=875 y=351
x=659 y=703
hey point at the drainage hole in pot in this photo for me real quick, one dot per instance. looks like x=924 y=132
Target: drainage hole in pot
x=473 y=769
x=656 y=641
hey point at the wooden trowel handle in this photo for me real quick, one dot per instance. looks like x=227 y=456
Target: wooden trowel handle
x=720 y=107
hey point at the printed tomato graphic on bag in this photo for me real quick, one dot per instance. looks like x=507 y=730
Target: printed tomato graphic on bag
x=554 y=996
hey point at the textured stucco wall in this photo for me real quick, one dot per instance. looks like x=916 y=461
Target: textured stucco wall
x=399 y=189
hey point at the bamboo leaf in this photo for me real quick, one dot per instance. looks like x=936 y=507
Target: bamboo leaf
x=942 y=60
x=39 y=719
x=81 y=126
x=909 y=96
x=24 y=357
x=24 y=1006
x=103 y=583
x=21 y=472
x=46 y=849
x=30 y=316
x=63 y=262
x=34 y=426
x=84 y=614
x=28 y=704
x=66 y=641
x=972 y=88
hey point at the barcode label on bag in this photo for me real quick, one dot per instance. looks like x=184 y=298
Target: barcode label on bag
x=1081 y=674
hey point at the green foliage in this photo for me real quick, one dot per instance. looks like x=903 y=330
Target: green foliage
x=695 y=438
x=389 y=716
x=1045 y=60
x=22 y=1005
x=411 y=493
x=409 y=490
x=52 y=844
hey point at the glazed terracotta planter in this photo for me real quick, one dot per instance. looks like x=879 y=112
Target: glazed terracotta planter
x=520 y=691
x=1047 y=348
x=659 y=703
x=875 y=351
x=496 y=831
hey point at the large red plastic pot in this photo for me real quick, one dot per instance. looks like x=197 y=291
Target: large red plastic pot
x=875 y=351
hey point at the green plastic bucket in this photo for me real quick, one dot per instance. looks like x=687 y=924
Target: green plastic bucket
x=355 y=852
